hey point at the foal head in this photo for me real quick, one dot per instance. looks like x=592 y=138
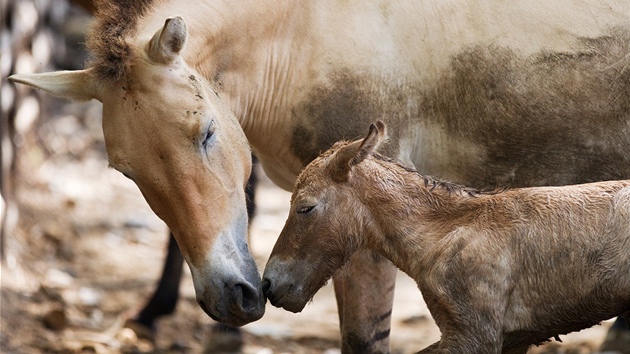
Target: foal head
x=321 y=231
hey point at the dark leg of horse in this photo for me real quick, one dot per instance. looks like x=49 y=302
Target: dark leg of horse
x=250 y=190
x=166 y=294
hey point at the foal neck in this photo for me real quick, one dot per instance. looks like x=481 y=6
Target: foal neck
x=412 y=212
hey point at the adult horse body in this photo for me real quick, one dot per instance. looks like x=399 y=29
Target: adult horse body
x=484 y=93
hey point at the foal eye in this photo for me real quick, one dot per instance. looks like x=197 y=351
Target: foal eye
x=305 y=209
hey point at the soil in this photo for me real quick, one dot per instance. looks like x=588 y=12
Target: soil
x=87 y=251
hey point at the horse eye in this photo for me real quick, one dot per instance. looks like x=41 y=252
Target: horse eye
x=305 y=209
x=207 y=137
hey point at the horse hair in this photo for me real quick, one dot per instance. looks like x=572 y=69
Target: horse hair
x=115 y=21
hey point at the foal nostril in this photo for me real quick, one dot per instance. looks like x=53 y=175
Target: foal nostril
x=265 y=286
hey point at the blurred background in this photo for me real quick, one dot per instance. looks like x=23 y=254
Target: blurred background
x=81 y=251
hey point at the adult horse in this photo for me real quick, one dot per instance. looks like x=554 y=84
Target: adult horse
x=485 y=93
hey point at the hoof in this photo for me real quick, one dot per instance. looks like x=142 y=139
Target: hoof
x=224 y=339
x=141 y=331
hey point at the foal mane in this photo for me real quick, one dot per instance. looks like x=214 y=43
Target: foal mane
x=116 y=21
x=432 y=183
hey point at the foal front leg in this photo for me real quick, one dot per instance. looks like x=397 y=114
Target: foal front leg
x=365 y=295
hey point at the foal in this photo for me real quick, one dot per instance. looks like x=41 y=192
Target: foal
x=499 y=271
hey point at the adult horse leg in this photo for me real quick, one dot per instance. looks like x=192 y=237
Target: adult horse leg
x=165 y=296
x=365 y=296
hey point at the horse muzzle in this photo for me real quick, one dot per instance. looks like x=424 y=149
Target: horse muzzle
x=234 y=304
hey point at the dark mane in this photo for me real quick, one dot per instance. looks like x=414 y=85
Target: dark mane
x=433 y=183
x=115 y=21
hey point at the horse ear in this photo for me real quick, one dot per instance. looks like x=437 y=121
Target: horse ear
x=355 y=152
x=77 y=85
x=168 y=41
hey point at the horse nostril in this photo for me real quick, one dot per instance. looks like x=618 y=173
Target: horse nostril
x=249 y=296
x=265 y=286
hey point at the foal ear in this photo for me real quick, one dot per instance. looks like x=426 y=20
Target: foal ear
x=355 y=152
x=168 y=41
x=371 y=142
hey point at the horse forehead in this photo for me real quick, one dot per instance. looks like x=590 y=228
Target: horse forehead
x=160 y=95
x=172 y=80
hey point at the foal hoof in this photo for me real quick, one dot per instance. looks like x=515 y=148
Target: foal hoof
x=224 y=339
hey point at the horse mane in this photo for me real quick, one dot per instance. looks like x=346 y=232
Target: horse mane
x=116 y=20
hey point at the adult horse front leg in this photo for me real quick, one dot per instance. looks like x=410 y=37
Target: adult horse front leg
x=365 y=296
x=164 y=299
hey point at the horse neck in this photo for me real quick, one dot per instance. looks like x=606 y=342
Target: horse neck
x=409 y=217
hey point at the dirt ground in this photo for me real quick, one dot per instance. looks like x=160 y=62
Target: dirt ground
x=87 y=252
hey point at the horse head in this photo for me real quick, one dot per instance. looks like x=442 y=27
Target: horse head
x=167 y=129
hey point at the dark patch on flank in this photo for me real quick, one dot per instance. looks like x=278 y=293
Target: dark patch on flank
x=116 y=20
x=341 y=109
x=552 y=118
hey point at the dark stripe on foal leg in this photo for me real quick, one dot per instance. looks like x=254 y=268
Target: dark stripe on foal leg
x=380 y=336
x=385 y=316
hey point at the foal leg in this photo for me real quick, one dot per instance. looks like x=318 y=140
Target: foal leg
x=365 y=295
